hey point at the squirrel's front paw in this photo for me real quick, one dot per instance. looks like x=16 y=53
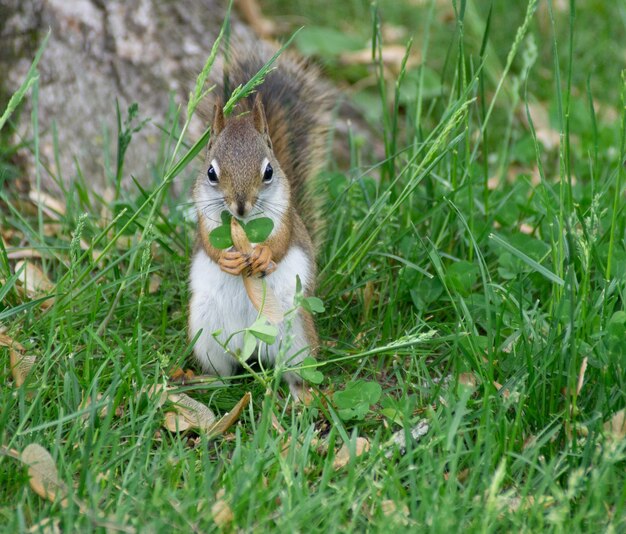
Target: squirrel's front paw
x=233 y=262
x=261 y=261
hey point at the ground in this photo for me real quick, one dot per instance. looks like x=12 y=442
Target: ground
x=473 y=279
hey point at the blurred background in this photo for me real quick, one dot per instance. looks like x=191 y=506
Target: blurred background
x=149 y=52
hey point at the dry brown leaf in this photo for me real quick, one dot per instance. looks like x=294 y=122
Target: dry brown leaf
x=251 y=12
x=506 y=393
x=468 y=379
x=581 y=376
x=47 y=526
x=21 y=363
x=8 y=341
x=616 y=426
x=176 y=422
x=369 y=294
x=526 y=228
x=52 y=207
x=461 y=475
x=231 y=417
x=343 y=455
x=180 y=376
x=158 y=391
x=33 y=278
x=390 y=509
x=34 y=282
x=262 y=297
x=23 y=253
x=154 y=284
x=392 y=33
x=259 y=293
x=221 y=511
x=548 y=136
x=102 y=412
x=195 y=413
x=44 y=477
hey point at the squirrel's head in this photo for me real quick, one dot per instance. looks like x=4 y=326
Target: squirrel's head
x=241 y=173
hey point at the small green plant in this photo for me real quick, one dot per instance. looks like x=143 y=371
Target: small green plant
x=257 y=231
x=354 y=402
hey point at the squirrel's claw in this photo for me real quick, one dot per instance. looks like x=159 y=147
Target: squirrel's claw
x=233 y=262
x=261 y=261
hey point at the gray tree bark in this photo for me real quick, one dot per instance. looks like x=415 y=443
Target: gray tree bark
x=143 y=51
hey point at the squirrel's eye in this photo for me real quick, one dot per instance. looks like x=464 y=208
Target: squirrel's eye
x=268 y=174
x=213 y=180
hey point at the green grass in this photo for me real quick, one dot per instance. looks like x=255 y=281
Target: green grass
x=473 y=253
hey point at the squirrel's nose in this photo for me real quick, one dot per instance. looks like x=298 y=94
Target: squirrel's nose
x=241 y=208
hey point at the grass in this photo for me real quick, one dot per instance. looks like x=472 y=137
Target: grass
x=476 y=273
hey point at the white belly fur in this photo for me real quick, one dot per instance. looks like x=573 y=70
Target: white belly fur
x=220 y=302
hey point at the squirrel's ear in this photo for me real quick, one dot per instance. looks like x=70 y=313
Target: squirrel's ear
x=258 y=116
x=218 y=119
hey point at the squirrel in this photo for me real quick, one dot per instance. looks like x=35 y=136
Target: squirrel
x=259 y=163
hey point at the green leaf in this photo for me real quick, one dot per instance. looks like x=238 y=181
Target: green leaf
x=313 y=304
x=263 y=331
x=258 y=230
x=220 y=237
x=226 y=217
x=617 y=327
x=311 y=374
x=326 y=42
x=249 y=345
x=462 y=275
x=354 y=401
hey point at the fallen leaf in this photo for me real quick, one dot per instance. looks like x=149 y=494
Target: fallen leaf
x=23 y=253
x=221 y=511
x=548 y=136
x=102 y=412
x=231 y=417
x=461 y=475
x=52 y=207
x=251 y=12
x=34 y=282
x=392 y=33
x=33 y=278
x=21 y=363
x=181 y=376
x=468 y=379
x=44 y=477
x=526 y=229
x=369 y=293
x=176 y=422
x=581 y=376
x=506 y=393
x=196 y=414
x=158 y=391
x=616 y=426
x=154 y=284
x=390 y=510
x=343 y=455
x=47 y=526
